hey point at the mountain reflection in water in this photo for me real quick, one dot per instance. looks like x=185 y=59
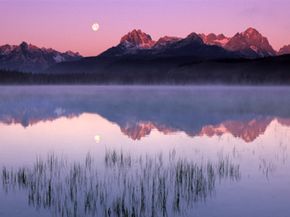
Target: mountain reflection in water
x=127 y=185
x=243 y=112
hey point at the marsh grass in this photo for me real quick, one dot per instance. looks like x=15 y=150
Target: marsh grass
x=128 y=186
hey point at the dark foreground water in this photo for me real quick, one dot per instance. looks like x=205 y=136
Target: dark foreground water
x=144 y=151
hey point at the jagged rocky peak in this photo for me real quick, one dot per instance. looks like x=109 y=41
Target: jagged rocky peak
x=6 y=49
x=137 y=38
x=251 y=40
x=213 y=39
x=256 y=38
x=211 y=36
x=166 y=40
x=284 y=50
x=221 y=36
x=192 y=38
x=71 y=53
x=23 y=45
x=252 y=32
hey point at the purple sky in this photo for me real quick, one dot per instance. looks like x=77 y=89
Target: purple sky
x=66 y=24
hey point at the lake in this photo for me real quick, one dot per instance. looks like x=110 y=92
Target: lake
x=144 y=151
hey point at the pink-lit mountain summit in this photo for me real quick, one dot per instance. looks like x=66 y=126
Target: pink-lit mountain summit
x=250 y=43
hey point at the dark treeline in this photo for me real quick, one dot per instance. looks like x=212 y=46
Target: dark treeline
x=273 y=70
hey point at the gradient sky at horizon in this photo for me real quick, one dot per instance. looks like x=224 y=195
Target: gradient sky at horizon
x=66 y=24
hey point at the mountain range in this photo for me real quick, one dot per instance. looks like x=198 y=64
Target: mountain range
x=138 y=43
x=247 y=57
x=30 y=58
x=248 y=44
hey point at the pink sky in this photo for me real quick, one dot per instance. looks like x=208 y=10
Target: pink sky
x=66 y=24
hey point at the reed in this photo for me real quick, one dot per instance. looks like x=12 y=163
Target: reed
x=127 y=186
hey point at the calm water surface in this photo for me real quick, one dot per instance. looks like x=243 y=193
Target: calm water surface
x=144 y=151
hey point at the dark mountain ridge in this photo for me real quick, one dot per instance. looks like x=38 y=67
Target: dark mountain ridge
x=30 y=58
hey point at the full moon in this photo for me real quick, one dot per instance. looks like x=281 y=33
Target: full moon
x=95 y=27
x=97 y=138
